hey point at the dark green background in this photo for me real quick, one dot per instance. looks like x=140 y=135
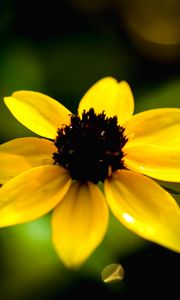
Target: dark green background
x=61 y=51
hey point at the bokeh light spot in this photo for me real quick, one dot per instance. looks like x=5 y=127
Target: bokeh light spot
x=112 y=273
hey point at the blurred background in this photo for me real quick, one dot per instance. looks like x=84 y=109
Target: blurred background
x=61 y=50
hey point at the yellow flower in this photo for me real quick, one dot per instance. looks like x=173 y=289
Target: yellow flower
x=103 y=143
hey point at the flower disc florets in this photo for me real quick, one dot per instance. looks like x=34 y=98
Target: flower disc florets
x=90 y=148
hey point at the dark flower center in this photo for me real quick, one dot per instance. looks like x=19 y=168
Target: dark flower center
x=90 y=148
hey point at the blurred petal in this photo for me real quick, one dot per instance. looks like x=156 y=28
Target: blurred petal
x=32 y=194
x=145 y=208
x=108 y=95
x=21 y=154
x=156 y=162
x=79 y=223
x=38 y=112
x=156 y=127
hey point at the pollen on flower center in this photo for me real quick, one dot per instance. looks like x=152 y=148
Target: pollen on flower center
x=90 y=148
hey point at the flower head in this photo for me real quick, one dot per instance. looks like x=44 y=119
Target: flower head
x=102 y=143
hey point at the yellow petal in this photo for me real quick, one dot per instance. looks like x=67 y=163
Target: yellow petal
x=145 y=208
x=157 y=162
x=108 y=95
x=40 y=113
x=21 y=154
x=32 y=194
x=156 y=127
x=79 y=223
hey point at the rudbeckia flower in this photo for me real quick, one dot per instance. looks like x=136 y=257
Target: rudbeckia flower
x=103 y=143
